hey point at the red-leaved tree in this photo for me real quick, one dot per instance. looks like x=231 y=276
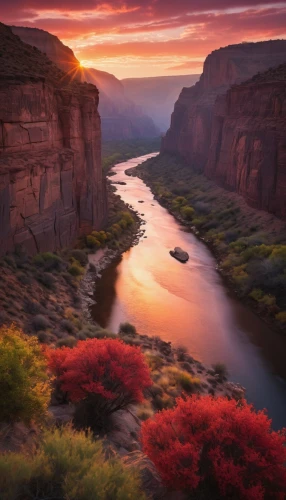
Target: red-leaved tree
x=105 y=375
x=217 y=448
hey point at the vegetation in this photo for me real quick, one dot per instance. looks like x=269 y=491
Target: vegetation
x=250 y=245
x=104 y=375
x=121 y=223
x=117 y=151
x=68 y=465
x=216 y=448
x=211 y=448
x=25 y=389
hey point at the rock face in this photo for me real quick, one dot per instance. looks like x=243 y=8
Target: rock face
x=120 y=117
x=191 y=123
x=51 y=184
x=233 y=136
x=248 y=141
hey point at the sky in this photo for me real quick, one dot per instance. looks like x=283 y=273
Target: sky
x=137 y=38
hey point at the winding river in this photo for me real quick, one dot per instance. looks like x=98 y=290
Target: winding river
x=188 y=304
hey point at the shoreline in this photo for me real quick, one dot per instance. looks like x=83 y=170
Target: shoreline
x=251 y=304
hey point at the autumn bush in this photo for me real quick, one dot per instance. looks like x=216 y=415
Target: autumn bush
x=25 y=389
x=67 y=465
x=217 y=448
x=101 y=376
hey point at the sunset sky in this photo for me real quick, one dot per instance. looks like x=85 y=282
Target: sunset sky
x=152 y=37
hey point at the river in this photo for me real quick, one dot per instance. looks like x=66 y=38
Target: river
x=188 y=304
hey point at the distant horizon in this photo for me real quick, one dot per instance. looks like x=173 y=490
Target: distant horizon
x=136 y=39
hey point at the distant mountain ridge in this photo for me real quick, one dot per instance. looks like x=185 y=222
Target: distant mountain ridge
x=157 y=95
x=120 y=117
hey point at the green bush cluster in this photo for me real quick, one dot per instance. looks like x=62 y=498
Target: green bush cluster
x=25 y=388
x=99 y=239
x=68 y=465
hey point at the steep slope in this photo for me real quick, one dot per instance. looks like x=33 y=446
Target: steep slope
x=157 y=95
x=51 y=183
x=248 y=141
x=191 y=123
x=120 y=117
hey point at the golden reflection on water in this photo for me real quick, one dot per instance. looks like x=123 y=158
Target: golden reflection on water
x=188 y=304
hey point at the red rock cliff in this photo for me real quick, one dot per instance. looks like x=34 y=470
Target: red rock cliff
x=191 y=124
x=120 y=117
x=51 y=184
x=248 y=141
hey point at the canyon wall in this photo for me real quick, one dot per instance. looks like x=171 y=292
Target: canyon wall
x=248 y=141
x=121 y=118
x=191 y=122
x=234 y=132
x=51 y=184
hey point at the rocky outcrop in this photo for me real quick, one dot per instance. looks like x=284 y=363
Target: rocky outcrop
x=248 y=141
x=234 y=132
x=179 y=254
x=191 y=124
x=120 y=117
x=51 y=184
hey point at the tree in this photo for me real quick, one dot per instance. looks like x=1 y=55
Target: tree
x=217 y=448
x=105 y=375
x=25 y=388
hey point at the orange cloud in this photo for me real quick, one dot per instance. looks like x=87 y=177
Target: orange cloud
x=134 y=37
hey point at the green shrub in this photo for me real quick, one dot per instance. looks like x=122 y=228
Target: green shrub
x=47 y=280
x=281 y=316
x=92 y=242
x=68 y=341
x=49 y=261
x=155 y=362
x=80 y=256
x=187 y=212
x=75 y=268
x=187 y=382
x=127 y=329
x=221 y=370
x=67 y=325
x=40 y=322
x=68 y=465
x=25 y=389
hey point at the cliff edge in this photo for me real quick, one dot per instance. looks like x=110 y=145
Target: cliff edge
x=51 y=184
x=120 y=117
x=231 y=125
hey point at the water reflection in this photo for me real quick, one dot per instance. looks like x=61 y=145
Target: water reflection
x=188 y=303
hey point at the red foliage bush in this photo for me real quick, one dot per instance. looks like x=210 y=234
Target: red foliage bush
x=217 y=448
x=107 y=374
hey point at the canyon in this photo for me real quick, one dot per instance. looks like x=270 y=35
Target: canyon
x=52 y=188
x=158 y=94
x=121 y=118
x=234 y=132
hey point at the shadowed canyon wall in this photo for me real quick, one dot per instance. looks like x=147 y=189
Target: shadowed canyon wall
x=121 y=118
x=51 y=184
x=237 y=136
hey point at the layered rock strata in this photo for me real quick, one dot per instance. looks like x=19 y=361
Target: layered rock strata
x=51 y=184
x=191 y=124
x=121 y=118
x=248 y=141
x=234 y=132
